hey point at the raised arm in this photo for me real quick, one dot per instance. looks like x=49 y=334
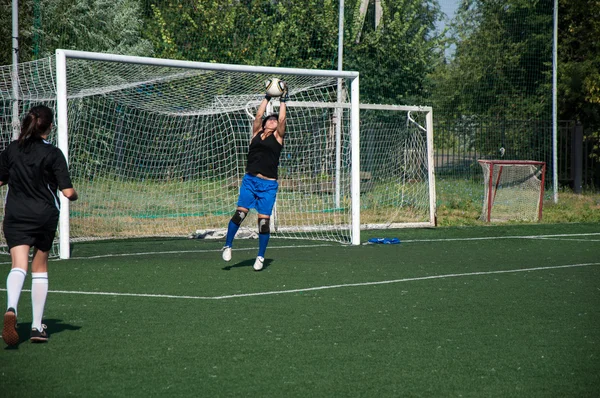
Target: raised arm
x=257 y=125
x=282 y=111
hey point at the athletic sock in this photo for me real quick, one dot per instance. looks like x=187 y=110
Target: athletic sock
x=263 y=241
x=14 y=286
x=39 y=291
x=232 y=229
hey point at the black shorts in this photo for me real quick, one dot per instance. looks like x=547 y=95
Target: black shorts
x=38 y=235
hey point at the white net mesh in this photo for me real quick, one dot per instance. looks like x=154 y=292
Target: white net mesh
x=394 y=165
x=160 y=151
x=513 y=190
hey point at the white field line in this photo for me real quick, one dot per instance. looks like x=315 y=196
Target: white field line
x=311 y=289
x=180 y=252
x=571 y=240
x=502 y=237
x=330 y=245
x=191 y=251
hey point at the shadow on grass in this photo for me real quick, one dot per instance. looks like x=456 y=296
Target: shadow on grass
x=53 y=326
x=247 y=263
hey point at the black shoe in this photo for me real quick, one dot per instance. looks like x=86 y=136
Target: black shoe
x=9 y=331
x=39 y=336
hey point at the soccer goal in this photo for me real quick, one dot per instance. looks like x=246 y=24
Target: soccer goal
x=157 y=147
x=514 y=190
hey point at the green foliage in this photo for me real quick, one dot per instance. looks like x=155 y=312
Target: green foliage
x=395 y=59
x=252 y=32
x=112 y=26
x=26 y=21
x=494 y=92
x=502 y=63
x=579 y=66
x=93 y=25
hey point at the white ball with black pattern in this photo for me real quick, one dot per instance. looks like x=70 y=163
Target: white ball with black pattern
x=274 y=87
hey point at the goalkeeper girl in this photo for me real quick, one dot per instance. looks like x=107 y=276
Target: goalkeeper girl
x=33 y=169
x=259 y=185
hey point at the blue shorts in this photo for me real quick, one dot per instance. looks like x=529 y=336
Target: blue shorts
x=258 y=193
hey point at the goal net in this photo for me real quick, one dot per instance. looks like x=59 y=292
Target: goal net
x=514 y=190
x=397 y=178
x=158 y=148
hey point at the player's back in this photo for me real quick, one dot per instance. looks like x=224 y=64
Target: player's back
x=31 y=178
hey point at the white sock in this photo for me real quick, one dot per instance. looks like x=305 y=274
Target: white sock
x=39 y=291
x=14 y=285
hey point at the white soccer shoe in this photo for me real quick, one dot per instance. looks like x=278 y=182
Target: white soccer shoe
x=258 y=264
x=227 y=253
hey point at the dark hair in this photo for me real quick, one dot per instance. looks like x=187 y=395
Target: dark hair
x=36 y=123
x=271 y=116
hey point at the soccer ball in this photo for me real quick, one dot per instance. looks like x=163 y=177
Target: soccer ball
x=275 y=87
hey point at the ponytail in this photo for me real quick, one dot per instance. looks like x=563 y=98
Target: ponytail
x=35 y=124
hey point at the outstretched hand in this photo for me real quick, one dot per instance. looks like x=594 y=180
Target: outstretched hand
x=267 y=96
x=285 y=95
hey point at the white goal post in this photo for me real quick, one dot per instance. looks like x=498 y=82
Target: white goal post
x=63 y=127
x=157 y=148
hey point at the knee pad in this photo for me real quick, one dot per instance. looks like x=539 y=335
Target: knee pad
x=238 y=217
x=264 y=226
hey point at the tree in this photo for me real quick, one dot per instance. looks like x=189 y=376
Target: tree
x=25 y=24
x=252 y=32
x=113 y=26
x=395 y=58
x=579 y=66
x=502 y=66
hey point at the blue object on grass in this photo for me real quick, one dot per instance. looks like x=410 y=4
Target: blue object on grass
x=385 y=241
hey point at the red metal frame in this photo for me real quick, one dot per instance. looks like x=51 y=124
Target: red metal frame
x=494 y=187
x=542 y=190
x=489 y=196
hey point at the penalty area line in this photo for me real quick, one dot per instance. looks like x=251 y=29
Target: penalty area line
x=317 y=288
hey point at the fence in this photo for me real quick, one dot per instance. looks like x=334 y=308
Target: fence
x=497 y=61
x=460 y=143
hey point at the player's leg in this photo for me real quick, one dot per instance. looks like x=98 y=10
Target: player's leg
x=39 y=292
x=264 y=233
x=234 y=224
x=232 y=228
x=264 y=206
x=14 y=285
x=16 y=277
x=246 y=201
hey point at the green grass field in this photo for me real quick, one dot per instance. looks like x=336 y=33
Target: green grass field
x=482 y=311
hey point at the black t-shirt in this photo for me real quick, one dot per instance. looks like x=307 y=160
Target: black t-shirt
x=263 y=156
x=34 y=173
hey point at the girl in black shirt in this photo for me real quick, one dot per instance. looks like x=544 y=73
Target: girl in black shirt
x=259 y=185
x=34 y=170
